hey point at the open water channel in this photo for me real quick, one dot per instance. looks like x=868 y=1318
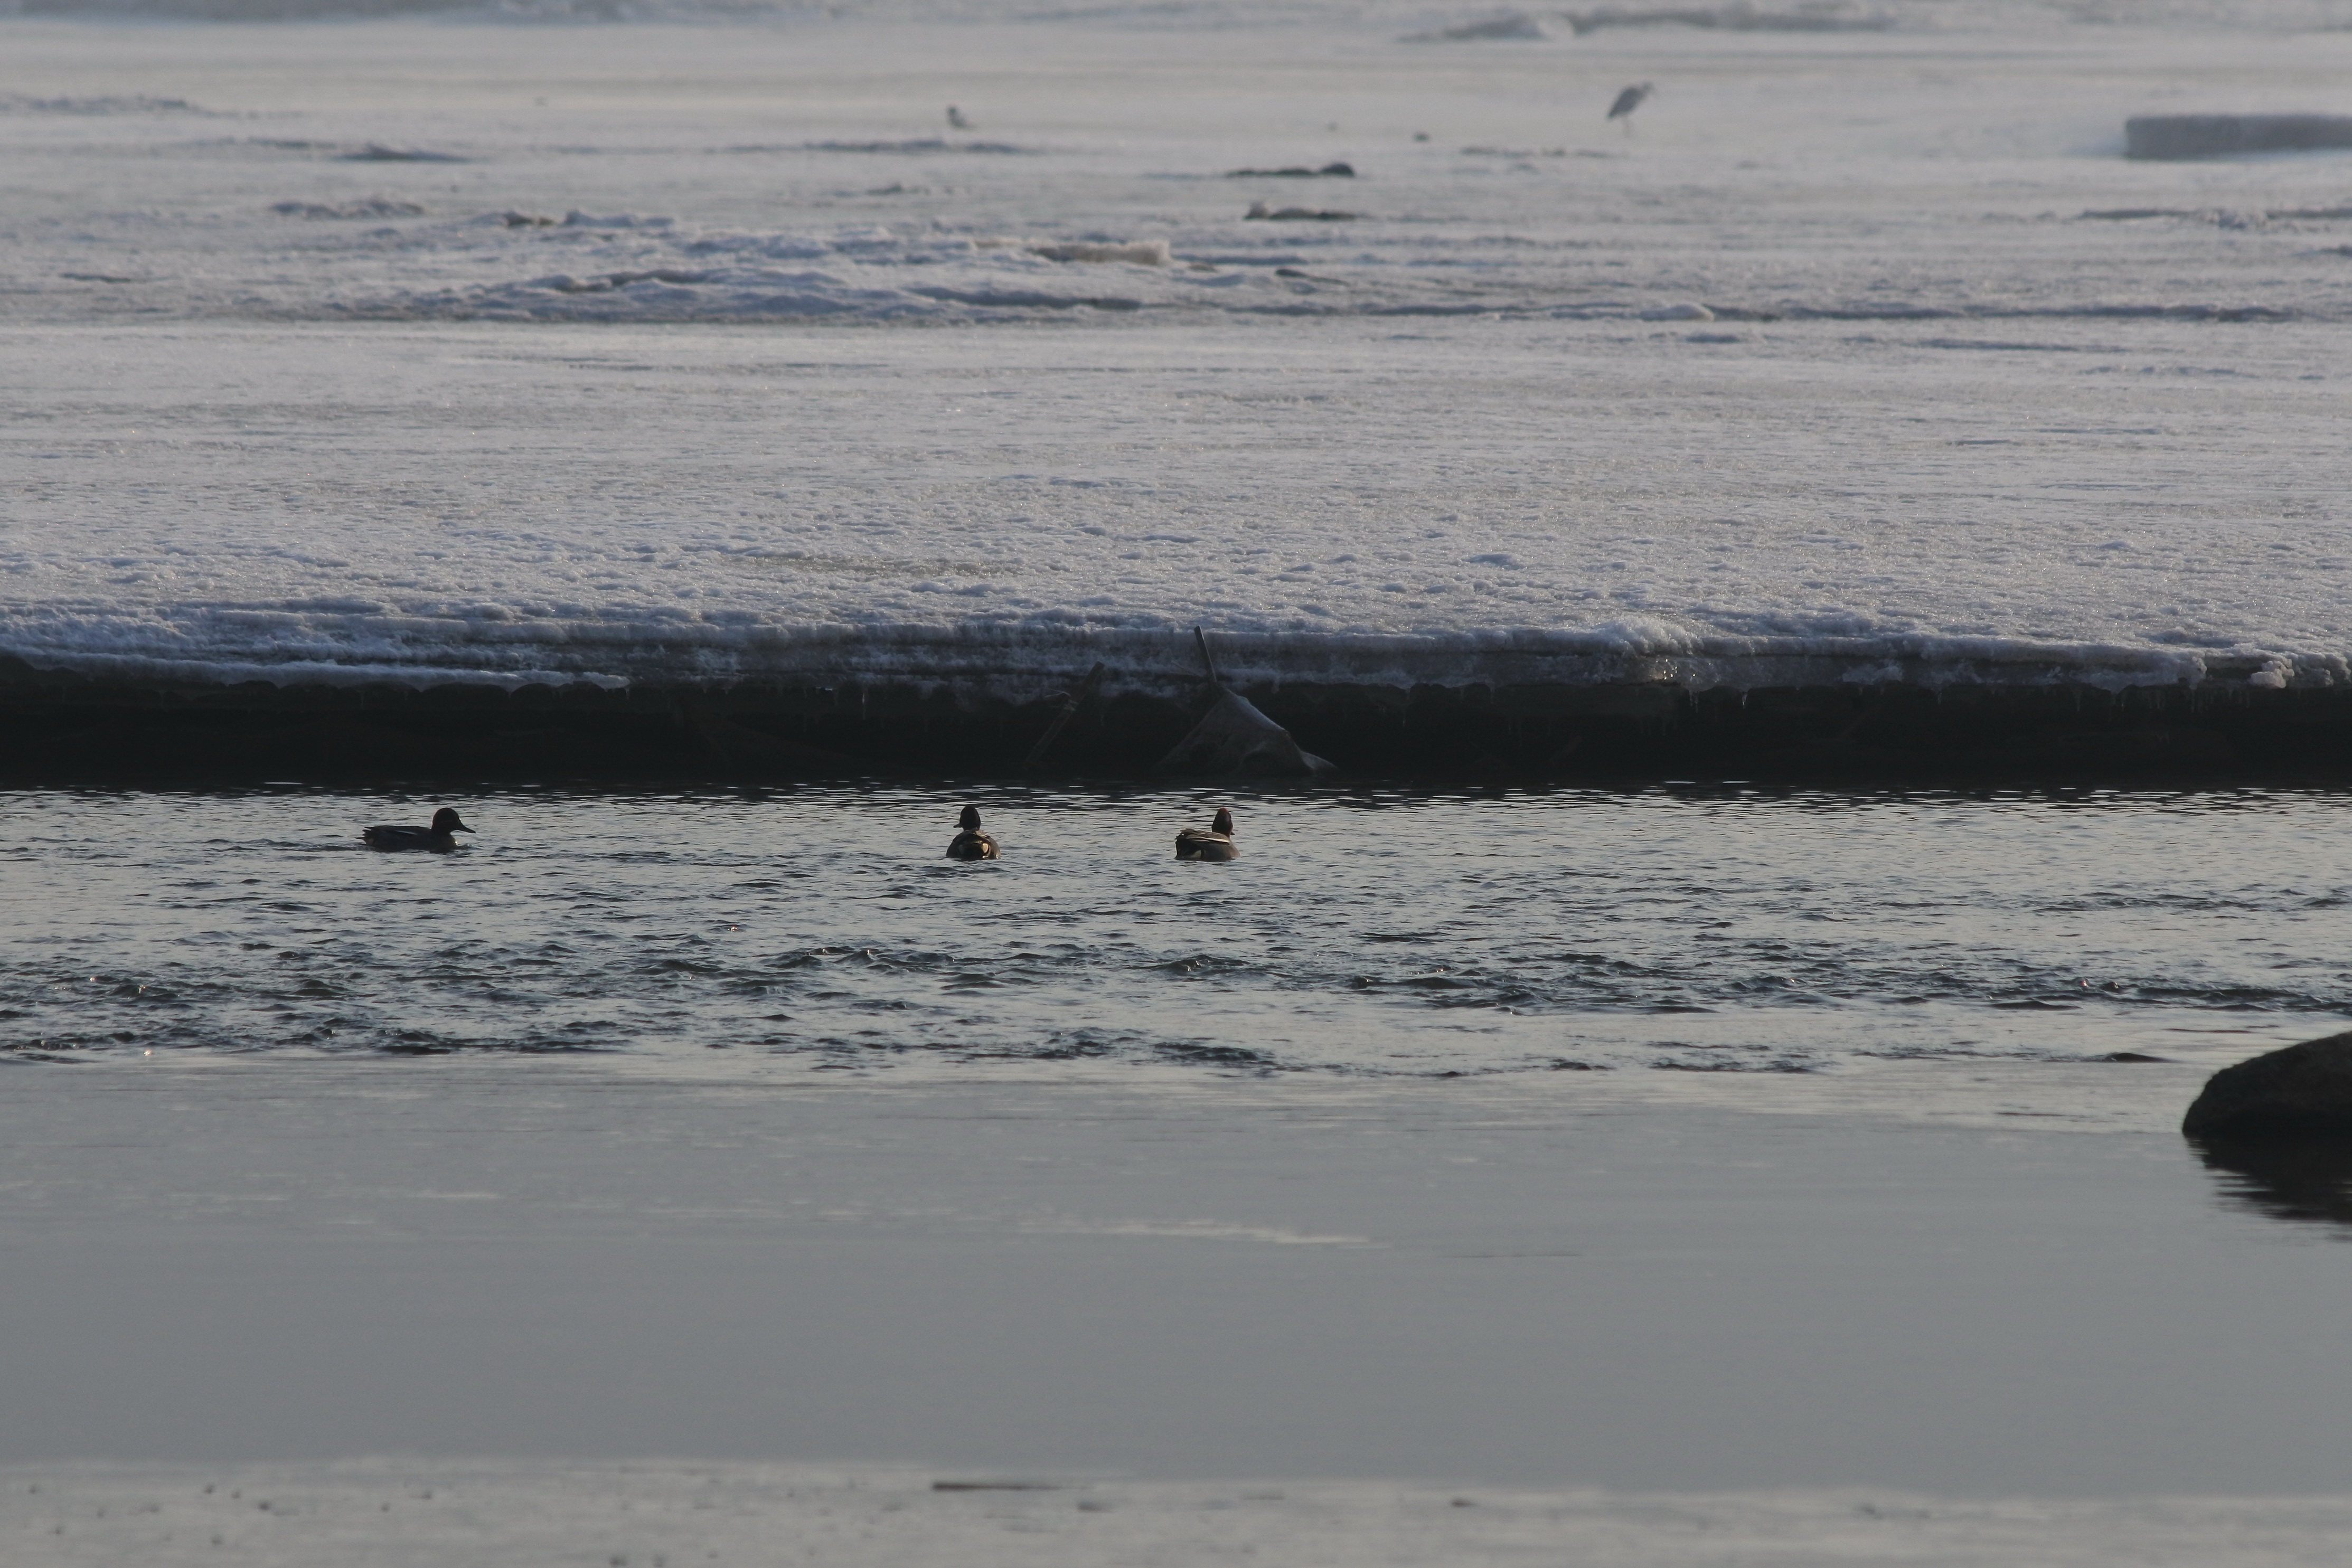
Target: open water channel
x=1684 y=1138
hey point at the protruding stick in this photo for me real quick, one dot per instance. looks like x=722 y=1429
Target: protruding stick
x=1070 y=706
x=1206 y=663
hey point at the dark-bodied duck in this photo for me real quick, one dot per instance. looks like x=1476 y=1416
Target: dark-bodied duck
x=1216 y=844
x=972 y=844
x=441 y=835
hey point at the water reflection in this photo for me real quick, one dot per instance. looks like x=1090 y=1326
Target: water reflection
x=2306 y=1176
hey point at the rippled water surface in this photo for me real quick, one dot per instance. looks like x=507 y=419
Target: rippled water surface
x=737 y=1124
x=1359 y=935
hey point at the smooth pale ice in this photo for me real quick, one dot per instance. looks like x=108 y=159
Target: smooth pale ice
x=1173 y=1307
x=785 y=379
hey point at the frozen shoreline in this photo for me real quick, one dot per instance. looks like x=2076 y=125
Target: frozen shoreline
x=412 y=1513
x=352 y=647
x=966 y=511
x=1982 y=401
x=802 y=394
x=1625 y=1321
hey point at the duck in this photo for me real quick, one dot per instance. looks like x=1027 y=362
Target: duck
x=441 y=835
x=972 y=844
x=1216 y=844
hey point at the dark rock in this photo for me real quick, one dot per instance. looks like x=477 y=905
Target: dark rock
x=2177 y=136
x=1512 y=26
x=1297 y=214
x=1296 y=171
x=374 y=153
x=2302 y=1090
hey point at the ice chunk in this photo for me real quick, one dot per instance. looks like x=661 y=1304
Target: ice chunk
x=1511 y=26
x=2176 y=136
x=1232 y=736
x=1297 y=214
x=374 y=153
x=1141 y=252
x=373 y=207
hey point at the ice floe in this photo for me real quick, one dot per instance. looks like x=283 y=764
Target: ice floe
x=690 y=391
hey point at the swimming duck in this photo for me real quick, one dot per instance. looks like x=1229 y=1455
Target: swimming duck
x=1216 y=844
x=441 y=835
x=972 y=844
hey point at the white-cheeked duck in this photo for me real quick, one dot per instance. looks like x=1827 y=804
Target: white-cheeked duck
x=972 y=844
x=1213 y=843
x=441 y=835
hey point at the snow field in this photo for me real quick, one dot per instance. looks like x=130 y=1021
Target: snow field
x=396 y=1514
x=430 y=350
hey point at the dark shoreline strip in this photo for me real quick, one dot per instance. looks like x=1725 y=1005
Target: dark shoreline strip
x=2175 y=137
x=62 y=729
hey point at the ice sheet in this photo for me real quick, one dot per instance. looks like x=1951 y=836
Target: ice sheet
x=432 y=350
x=1155 y=1296
x=239 y=1260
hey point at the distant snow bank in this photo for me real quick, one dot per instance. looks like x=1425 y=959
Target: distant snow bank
x=1016 y=412
x=874 y=274
x=488 y=1514
x=645 y=268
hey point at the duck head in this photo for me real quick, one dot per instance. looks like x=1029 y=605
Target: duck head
x=445 y=820
x=970 y=821
x=1224 y=824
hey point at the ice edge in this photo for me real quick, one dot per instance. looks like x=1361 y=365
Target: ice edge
x=1025 y=663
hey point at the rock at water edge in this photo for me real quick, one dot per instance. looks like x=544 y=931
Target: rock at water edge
x=2301 y=1090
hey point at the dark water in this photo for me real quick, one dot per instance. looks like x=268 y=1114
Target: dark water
x=747 y=1124
x=1359 y=934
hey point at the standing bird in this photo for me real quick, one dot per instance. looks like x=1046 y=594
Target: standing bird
x=956 y=121
x=1628 y=101
x=972 y=844
x=441 y=835
x=1216 y=844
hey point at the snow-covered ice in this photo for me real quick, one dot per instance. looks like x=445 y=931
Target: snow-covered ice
x=457 y=349
x=490 y=1515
